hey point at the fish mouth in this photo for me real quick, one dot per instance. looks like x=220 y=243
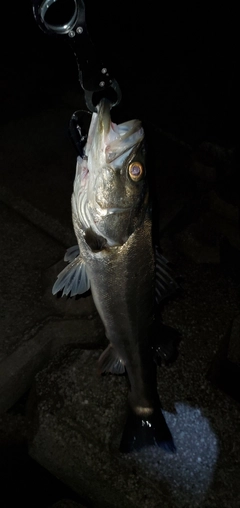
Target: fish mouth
x=108 y=148
x=114 y=142
x=104 y=117
x=99 y=129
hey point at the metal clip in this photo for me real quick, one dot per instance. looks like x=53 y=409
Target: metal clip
x=94 y=75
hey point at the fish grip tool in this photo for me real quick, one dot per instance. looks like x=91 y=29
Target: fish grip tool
x=94 y=74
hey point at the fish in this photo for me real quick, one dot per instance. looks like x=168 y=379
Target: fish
x=116 y=259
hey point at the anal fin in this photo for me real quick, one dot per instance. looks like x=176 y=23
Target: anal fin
x=109 y=361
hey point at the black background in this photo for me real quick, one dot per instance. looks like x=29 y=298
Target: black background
x=176 y=64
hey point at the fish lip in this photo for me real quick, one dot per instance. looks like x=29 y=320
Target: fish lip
x=104 y=117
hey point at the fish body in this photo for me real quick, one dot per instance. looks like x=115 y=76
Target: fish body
x=115 y=258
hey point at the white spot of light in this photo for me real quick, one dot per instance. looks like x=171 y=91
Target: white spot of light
x=190 y=470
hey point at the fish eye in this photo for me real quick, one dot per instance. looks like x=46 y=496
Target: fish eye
x=135 y=171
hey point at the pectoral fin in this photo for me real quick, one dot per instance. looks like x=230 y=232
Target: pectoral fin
x=71 y=253
x=73 y=279
x=109 y=361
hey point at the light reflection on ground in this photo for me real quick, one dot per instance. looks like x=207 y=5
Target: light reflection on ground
x=190 y=470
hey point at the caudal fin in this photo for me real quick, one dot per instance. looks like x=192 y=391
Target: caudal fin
x=141 y=431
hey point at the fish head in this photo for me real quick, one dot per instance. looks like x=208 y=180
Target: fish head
x=113 y=177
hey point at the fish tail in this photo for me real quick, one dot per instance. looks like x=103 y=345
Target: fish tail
x=151 y=430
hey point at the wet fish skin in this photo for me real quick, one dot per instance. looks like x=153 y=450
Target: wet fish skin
x=112 y=222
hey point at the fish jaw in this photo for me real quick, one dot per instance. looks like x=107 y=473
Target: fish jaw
x=104 y=198
x=107 y=142
x=108 y=148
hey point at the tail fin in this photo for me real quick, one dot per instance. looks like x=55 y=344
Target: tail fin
x=141 y=431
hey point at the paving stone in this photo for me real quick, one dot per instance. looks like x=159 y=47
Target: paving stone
x=19 y=368
x=26 y=251
x=77 y=419
x=67 y=503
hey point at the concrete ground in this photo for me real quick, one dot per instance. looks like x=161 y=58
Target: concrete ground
x=60 y=424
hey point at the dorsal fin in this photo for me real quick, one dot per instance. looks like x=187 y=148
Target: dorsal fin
x=165 y=279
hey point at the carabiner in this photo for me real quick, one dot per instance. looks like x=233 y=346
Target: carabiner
x=94 y=75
